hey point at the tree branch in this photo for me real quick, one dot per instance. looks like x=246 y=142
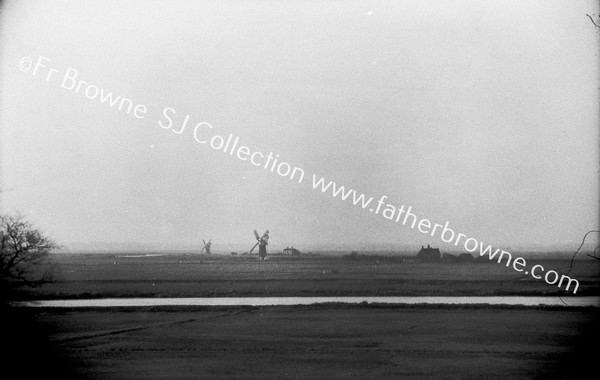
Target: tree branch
x=592 y=20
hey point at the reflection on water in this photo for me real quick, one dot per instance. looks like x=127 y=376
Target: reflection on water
x=281 y=301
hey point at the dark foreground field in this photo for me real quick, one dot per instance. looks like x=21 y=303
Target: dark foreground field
x=120 y=275
x=309 y=342
x=324 y=342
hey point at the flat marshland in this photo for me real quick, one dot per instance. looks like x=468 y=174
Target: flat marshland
x=321 y=341
x=188 y=275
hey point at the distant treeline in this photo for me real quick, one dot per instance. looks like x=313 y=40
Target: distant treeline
x=445 y=258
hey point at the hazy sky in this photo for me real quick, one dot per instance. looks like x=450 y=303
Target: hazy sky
x=482 y=114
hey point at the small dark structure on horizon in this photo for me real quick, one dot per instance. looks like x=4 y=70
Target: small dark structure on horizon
x=291 y=251
x=449 y=258
x=465 y=258
x=429 y=254
x=462 y=258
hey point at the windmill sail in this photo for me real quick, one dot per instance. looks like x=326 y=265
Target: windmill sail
x=206 y=246
x=253 y=247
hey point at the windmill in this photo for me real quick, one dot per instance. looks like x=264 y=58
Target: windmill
x=206 y=247
x=262 y=244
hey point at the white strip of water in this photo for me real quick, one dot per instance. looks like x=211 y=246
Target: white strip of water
x=287 y=301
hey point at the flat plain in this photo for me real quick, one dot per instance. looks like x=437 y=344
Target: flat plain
x=322 y=341
x=188 y=275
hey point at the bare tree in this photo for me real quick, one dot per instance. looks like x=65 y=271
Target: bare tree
x=23 y=252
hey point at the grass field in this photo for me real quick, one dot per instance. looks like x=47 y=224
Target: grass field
x=118 y=275
x=324 y=342
x=316 y=342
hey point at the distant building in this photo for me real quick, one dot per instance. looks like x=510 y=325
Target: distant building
x=429 y=255
x=448 y=258
x=291 y=251
x=462 y=258
x=465 y=257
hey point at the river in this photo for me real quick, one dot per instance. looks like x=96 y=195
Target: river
x=287 y=301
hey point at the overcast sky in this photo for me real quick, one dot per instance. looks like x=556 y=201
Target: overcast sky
x=482 y=114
